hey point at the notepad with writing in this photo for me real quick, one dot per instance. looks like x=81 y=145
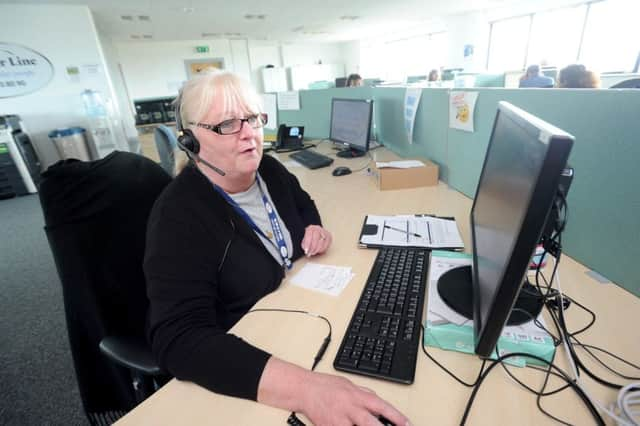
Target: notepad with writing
x=423 y=231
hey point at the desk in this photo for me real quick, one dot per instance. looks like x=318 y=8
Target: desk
x=434 y=398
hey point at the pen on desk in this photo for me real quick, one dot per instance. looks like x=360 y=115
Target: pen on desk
x=403 y=231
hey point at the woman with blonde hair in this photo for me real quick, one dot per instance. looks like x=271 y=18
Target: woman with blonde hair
x=220 y=237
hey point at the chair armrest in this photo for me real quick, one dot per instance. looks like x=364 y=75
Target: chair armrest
x=131 y=352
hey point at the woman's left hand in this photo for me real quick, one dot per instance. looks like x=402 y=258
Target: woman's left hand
x=316 y=240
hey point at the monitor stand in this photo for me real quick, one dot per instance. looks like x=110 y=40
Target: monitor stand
x=350 y=153
x=456 y=291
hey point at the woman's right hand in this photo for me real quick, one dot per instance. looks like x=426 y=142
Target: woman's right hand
x=329 y=400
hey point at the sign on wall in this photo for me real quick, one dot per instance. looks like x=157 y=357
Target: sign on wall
x=22 y=70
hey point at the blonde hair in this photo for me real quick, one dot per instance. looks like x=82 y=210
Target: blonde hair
x=199 y=93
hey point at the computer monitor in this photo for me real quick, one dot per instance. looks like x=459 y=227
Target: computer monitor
x=518 y=184
x=351 y=125
x=341 y=82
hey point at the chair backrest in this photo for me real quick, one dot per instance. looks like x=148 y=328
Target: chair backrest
x=632 y=83
x=166 y=144
x=95 y=220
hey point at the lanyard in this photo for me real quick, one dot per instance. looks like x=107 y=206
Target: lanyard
x=281 y=245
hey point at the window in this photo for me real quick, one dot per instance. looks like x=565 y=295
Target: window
x=555 y=36
x=397 y=59
x=611 y=36
x=508 y=44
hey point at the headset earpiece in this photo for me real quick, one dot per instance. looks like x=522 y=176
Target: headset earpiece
x=189 y=142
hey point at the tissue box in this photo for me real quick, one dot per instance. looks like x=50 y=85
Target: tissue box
x=400 y=178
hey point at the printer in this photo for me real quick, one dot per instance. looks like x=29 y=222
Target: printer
x=19 y=163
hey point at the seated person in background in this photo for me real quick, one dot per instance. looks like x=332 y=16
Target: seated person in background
x=577 y=76
x=219 y=242
x=533 y=78
x=354 y=80
x=434 y=75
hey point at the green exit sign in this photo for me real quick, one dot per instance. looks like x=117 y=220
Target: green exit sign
x=202 y=49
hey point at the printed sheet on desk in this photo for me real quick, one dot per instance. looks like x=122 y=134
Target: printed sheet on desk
x=326 y=279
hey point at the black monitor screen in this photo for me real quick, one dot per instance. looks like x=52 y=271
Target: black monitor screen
x=517 y=186
x=351 y=122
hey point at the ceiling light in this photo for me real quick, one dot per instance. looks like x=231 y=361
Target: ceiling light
x=298 y=29
x=147 y=36
x=188 y=9
x=135 y=36
x=349 y=17
x=144 y=18
x=126 y=17
x=261 y=17
x=209 y=35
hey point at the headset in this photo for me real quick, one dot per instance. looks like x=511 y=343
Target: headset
x=188 y=142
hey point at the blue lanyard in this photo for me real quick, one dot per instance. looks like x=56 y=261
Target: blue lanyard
x=281 y=245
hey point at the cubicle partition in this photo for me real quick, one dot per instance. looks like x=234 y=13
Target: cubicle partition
x=604 y=202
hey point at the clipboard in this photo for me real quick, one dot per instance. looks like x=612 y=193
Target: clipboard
x=411 y=231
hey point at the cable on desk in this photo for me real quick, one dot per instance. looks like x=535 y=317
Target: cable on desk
x=293 y=420
x=565 y=376
x=366 y=165
x=459 y=380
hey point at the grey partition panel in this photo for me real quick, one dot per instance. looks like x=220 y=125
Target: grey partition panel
x=430 y=129
x=604 y=202
x=315 y=109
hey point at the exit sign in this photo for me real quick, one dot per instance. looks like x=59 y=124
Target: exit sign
x=202 y=49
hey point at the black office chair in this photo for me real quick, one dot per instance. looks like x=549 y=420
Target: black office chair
x=632 y=83
x=95 y=220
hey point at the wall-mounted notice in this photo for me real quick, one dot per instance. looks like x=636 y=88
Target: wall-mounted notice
x=411 y=103
x=269 y=103
x=289 y=100
x=461 y=108
x=22 y=70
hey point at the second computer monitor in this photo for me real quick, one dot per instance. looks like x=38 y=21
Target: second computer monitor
x=351 y=125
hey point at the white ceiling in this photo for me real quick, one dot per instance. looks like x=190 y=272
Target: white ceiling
x=284 y=20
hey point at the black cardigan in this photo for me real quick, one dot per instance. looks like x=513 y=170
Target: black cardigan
x=197 y=292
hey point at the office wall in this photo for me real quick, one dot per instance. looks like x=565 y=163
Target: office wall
x=153 y=69
x=67 y=36
x=603 y=201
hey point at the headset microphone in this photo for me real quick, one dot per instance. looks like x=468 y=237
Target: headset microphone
x=187 y=140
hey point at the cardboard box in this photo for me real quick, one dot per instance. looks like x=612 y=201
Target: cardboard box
x=396 y=178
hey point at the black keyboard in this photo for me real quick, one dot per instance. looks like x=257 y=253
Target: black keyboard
x=383 y=335
x=311 y=159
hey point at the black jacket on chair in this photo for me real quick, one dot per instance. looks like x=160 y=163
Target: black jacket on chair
x=95 y=219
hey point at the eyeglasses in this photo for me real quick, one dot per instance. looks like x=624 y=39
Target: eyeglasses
x=234 y=125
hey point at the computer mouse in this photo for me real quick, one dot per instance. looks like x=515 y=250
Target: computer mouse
x=341 y=171
x=386 y=422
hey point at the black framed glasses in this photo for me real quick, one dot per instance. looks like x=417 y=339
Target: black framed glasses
x=234 y=125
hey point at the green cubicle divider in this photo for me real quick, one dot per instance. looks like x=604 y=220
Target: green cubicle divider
x=315 y=109
x=603 y=202
x=430 y=130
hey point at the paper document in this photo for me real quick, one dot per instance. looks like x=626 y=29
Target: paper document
x=326 y=279
x=410 y=231
x=405 y=164
x=289 y=100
